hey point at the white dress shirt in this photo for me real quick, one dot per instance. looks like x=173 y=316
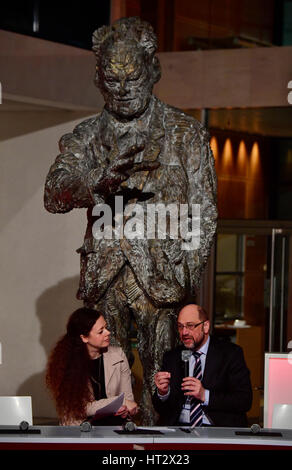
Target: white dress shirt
x=203 y=350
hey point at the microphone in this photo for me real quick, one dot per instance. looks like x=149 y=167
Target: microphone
x=130 y=426
x=85 y=426
x=255 y=429
x=185 y=356
x=23 y=426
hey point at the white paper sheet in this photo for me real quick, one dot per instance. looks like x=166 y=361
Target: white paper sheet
x=111 y=408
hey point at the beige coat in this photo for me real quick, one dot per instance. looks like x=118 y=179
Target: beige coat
x=117 y=377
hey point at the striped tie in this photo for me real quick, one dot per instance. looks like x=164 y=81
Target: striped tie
x=196 y=412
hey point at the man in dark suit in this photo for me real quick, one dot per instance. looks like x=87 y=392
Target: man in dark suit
x=222 y=391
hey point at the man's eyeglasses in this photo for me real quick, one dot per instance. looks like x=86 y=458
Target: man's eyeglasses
x=189 y=326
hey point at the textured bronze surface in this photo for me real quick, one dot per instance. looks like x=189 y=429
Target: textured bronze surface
x=149 y=153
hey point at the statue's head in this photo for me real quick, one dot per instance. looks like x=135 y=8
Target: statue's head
x=127 y=67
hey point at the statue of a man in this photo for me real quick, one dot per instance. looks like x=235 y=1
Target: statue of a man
x=147 y=153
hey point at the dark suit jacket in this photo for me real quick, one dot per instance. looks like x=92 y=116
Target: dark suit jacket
x=225 y=375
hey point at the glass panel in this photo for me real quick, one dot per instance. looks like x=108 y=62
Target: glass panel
x=65 y=22
x=229 y=277
x=287 y=23
x=17 y=17
x=280 y=323
x=227 y=253
x=229 y=297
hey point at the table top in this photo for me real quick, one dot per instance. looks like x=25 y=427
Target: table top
x=151 y=435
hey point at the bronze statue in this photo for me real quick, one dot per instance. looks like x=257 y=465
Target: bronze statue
x=146 y=153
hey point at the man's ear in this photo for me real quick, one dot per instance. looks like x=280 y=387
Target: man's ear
x=207 y=326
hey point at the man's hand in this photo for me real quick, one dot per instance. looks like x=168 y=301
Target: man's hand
x=194 y=388
x=162 y=380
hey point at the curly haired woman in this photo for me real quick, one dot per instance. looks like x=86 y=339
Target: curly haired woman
x=85 y=373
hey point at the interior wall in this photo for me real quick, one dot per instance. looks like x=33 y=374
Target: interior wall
x=222 y=19
x=40 y=268
x=242 y=165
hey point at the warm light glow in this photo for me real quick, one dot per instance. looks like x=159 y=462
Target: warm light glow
x=227 y=155
x=214 y=147
x=255 y=162
x=242 y=157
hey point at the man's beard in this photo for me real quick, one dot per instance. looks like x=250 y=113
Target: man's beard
x=195 y=344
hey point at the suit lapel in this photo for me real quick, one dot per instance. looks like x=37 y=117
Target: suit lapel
x=212 y=364
x=179 y=369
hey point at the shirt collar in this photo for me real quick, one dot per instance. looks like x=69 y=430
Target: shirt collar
x=204 y=348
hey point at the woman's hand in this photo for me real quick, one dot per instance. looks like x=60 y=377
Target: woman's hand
x=122 y=411
x=129 y=408
x=132 y=407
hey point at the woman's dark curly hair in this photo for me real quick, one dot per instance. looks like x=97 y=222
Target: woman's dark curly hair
x=67 y=373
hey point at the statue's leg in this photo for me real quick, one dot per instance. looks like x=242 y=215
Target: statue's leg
x=117 y=314
x=156 y=333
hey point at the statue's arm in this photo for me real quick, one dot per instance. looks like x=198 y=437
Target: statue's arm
x=200 y=167
x=81 y=178
x=71 y=180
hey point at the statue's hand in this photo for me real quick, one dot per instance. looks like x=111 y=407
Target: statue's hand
x=122 y=163
x=121 y=167
x=143 y=166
